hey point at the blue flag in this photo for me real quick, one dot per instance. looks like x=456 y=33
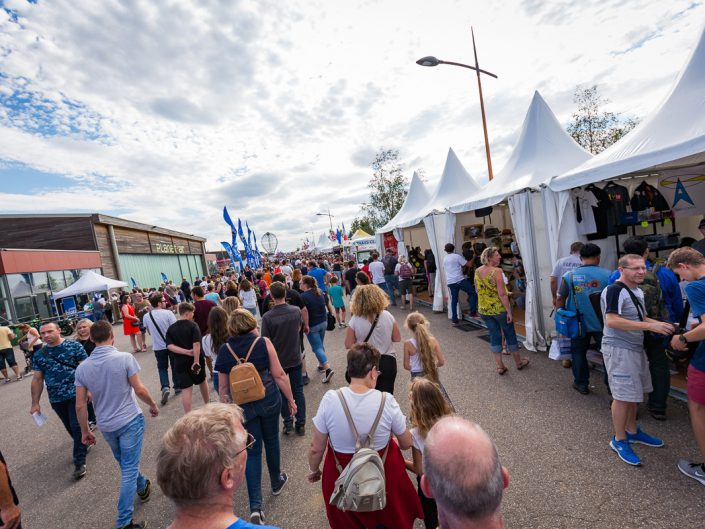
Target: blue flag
x=134 y=283
x=251 y=256
x=164 y=279
x=233 y=255
x=338 y=236
x=257 y=255
x=233 y=231
x=248 y=251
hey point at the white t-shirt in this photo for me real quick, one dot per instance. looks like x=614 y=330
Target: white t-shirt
x=563 y=265
x=248 y=298
x=286 y=270
x=381 y=337
x=585 y=201
x=330 y=418
x=415 y=359
x=453 y=264
x=163 y=318
x=377 y=271
x=207 y=348
x=417 y=441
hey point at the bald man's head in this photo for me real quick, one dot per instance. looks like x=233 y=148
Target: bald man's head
x=461 y=466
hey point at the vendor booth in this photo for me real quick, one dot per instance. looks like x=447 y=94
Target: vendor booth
x=651 y=182
x=89 y=283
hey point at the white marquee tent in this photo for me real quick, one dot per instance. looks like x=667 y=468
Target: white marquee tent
x=89 y=282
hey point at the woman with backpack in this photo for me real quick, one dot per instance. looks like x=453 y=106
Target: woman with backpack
x=261 y=416
x=375 y=416
x=405 y=271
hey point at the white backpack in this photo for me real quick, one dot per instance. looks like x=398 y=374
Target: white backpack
x=361 y=485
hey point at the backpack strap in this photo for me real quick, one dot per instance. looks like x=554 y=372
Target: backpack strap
x=339 y=392
x=639 y=309
x=249 y=351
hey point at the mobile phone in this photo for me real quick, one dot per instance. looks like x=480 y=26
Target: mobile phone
x=196 y=369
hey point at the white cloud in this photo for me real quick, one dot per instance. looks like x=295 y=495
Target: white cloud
x=276 y=110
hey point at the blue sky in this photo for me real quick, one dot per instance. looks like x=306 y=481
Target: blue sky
x=276 y=109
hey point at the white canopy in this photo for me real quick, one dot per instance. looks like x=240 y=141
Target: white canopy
x=89 y=282
x=324 y=243
x=416 y=199
x=542 y=151
x=672 y=137
x=455 y=182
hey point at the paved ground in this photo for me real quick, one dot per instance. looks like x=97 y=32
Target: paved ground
x=552 y=440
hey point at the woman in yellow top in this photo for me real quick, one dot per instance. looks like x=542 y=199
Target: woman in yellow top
x=495 y=310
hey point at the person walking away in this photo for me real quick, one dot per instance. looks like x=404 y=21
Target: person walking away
x=428 y=405
x=627 y=366
x=216 y=337
x=376 y=272
x=495 y=309
x=563 y=265
x=131 y=324
x=429 y=264
x=186 y=289
x=689 y=264
x=7 y=354
x=32 y=343
x=664 y=302
x=10 y=513
x=405 y=274
x=183 y=340
x=260 y=416
x=372 y=323
x=157 y=322
x=319 y=273
x=315 y=327
x=574 y=295
x=248 y=297
x=201 y=308
x=350 y=277
x=390 y=279
x=282 y=325
x=141 y=308
x=112 y=378
x=335 y=291
x=201 y=465
x=333 y=435
x=55 y=364
x=212 y=295
x=456 y=281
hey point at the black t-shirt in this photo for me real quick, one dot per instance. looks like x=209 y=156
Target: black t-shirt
x=15 y=500
x=350 y=276
x=183 y=333
x=316 y=306
x=231 y=293
x=337 y=267
x=292 y=298
x=430 y=261
x=390 y=263
x=88 y=345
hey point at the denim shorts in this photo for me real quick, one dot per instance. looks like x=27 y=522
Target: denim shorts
x=627 y=373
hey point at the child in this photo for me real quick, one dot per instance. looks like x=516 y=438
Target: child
x=422 y=353
x=428 y=405
x=335 y=291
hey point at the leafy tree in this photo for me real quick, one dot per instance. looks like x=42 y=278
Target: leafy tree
x=362 y=224
x=593 y=128
x=388 y=189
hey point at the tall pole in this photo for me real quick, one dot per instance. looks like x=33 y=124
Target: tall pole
x=482 y=107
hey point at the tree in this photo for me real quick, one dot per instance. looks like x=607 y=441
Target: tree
x=593 y=128
x=388 y=189
x=362 y=224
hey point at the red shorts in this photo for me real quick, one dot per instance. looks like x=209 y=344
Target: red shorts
x=696 y=385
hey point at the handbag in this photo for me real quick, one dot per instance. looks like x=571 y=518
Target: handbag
x=568 y=321
x=331 y=322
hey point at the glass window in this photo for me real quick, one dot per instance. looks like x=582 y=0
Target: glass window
x=97 y=271
x=71 y=276
x=24 y=308
x=43 y=305
x=19 y=285
x=56 y=281
x=40 y=282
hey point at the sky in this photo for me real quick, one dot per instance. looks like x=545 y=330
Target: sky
x=164 y=112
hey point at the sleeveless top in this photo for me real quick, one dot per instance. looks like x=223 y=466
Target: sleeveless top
x=415 y=360
x=488 y=302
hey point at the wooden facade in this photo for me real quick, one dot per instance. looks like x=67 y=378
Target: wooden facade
x=47 y=233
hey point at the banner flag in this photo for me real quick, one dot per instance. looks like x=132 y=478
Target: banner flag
x=164 y=278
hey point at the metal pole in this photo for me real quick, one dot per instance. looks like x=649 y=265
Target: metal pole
x=116 y=255
x=482 y=107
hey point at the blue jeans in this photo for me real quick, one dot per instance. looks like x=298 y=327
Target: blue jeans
x=392 y=283
x=126 y=444
x=316 y=335
x=297 y=388
x=497 y=325
x=261 y=420
x=466 y=286
x=163 y=367
x=578 y=352
x=66 y=410
x=216 y=381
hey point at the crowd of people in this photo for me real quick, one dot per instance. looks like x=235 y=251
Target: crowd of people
x=243 y=333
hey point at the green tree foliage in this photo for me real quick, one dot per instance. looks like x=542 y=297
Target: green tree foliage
x=362 y=224
x=388 y=189
x=593 y=128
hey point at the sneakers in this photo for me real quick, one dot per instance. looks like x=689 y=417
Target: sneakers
x=692 y=470
x=306 y=380
x=79 y=472
x=165 y=396
x=566 y=363
x=277 y=489
x=329 y=374
x=91 y=426
x=288 y=429
x=658 y=415
x=135 y=525
x=300 y=429
x=321 y=369
x=625 y=452
x=583 y=390
x=145 y=494
x=644 y=438
x=257 y=517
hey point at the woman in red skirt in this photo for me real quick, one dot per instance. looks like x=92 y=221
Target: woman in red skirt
x=130 y=324
x=333 y=431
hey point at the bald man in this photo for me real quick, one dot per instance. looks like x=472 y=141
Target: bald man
x=462 y=472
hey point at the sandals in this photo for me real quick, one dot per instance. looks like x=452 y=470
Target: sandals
x=501 y=370
x=524 y=362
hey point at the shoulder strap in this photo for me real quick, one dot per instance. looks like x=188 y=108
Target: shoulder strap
x=372 y=328
x=45 y=352
x=370 y=435
x=161 y=334
x=249 y=351
x=339 y=392
x=637 y=303
x=236 y=357
x=574 y=294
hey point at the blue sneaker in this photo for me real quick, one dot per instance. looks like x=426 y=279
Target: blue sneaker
x=625 y=452
x=641 y=437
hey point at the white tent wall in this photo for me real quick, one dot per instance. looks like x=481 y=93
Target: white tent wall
x=401 y=248
x=379 y=237
x=416 y=236
x=559 y=219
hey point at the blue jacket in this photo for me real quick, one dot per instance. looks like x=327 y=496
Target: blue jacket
x=672 y=295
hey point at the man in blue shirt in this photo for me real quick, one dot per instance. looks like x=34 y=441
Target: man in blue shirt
x=671 y=299
x=574 y=294
x=689 y=264
x=56 y=364
x=317 y=272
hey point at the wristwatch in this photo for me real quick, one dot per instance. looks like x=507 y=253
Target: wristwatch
x=682 y=338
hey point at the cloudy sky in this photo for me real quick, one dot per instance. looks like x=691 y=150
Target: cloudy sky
x=163 y=112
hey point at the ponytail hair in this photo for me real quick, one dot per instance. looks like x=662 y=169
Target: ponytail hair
x=311 y=283
x=418 y=325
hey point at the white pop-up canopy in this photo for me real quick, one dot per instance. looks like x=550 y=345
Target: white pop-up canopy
x=408 y=215
x=542 y=151
x=89 y=282
x=324 y=243
x=455 y=182
x=671 y=138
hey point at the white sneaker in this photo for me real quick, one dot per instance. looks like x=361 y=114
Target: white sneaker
x=257 y=517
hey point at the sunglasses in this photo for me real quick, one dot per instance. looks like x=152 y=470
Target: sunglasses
x=250 y=443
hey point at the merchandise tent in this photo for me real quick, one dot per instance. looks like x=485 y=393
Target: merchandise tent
x=89 y=282
x=542 y=150
x=324 y=244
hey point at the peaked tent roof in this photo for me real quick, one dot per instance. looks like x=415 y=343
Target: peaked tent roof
x=671 y=137
x=361 y=234
x=416 y=199
x=542 y=151
x=455 y=182
x=89 y=282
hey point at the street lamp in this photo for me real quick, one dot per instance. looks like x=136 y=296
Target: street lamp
x=433 y=61
x=330 y=218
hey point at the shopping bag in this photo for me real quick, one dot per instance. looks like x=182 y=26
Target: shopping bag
x=567 y=323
